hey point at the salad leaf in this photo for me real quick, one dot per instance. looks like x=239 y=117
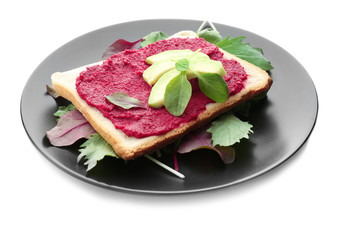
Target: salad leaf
x=210 y=35
x=63 y=110
x=123 y=100
x=94 y=150
x=119 y=46
x=177 y=94
x=228 y=130
x=201 y=139
x=245 y=51
x=152 y=38
x=182 y=64
x=213 y=86
x=71 y=127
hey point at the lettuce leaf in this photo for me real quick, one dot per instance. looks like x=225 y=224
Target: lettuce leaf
x=245 y=51
x=94 y=150
x=63 y=110
x=119 y=46
x=201 y=139
x=71 y=127
x=228 y=130
x=152 y=38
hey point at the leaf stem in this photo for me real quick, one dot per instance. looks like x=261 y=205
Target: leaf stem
x=212 y=25
x=178 y=174
x=203 y=25
x=175 y=159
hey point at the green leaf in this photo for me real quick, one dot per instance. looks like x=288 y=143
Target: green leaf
x=64 y=109
x=177 y=94
x=152 y=38
x=213 y=86
x=228 y=130
x=210 y=35
x=123 y=100
x=182 y=64
x=94 y=150
x=244 y=51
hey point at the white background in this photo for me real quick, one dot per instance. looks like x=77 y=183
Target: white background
x=299 y=200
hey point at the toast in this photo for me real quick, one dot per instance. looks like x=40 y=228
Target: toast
x=128 y=148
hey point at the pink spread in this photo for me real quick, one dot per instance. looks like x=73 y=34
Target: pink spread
x=123 y=73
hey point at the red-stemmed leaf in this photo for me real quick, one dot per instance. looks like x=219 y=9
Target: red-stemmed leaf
x=71 y=127
x=200 y=139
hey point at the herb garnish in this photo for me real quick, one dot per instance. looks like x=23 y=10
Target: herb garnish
x=177 y=95
x=179 y=91
x=123 y=100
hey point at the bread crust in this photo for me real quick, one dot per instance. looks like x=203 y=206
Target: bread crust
x=129 y=148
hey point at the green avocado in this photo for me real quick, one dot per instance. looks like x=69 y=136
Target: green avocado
x=175 y=55
x=205 y=66
x=157 y=95
x=152 y=74
x=165 y=61
x=167 y=55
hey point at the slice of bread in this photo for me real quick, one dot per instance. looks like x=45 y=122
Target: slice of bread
x=128 y=148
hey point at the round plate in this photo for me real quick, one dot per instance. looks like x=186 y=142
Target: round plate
x=282 y=122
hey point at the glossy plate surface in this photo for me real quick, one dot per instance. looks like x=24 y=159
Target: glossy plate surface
x=282 y=123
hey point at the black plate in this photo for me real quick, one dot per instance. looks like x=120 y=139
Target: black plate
x=282 y=122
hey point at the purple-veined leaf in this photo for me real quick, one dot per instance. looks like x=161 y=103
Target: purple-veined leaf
x=71 y=127
x=119 y=46
x=200 y=139
x=123 y=100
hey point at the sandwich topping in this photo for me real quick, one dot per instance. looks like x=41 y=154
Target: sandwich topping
x=123 y=73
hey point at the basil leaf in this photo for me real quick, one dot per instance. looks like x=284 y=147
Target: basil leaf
x=245 y=51
x=182 y=64
x=210 y=35
x=177 y=94
x=228 y=130
x=123 y=100
x=152 y=38
x=213 y=86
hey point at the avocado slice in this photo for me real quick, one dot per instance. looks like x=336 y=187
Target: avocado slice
x=175 y=54
x=204 y=66
x=167 y=55
x=157 y=95
x=152 y=74
x=167 y=62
